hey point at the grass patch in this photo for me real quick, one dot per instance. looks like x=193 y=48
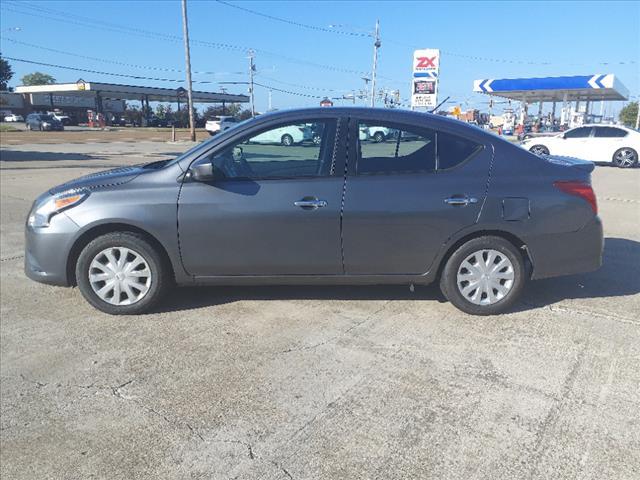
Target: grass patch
x=7 y=128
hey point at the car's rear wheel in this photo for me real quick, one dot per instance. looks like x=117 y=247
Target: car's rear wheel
x=378 y=137
x=539 y=150
x=286 y=140
x=121 y=273
x=484 y=276
x=625 y=158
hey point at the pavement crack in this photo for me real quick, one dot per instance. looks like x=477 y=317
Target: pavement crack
x=35 y=382
x=340 y=334
x=282 y=469
x=116 y=390
x=592 y=313
x=7 y=259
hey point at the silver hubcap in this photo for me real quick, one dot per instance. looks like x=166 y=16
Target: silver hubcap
x=485 y=277
x=120 y=276
x=625 y=157
x=539 y=150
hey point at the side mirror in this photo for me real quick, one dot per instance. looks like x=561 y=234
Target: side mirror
x=202 y=172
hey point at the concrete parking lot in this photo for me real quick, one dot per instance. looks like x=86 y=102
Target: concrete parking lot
x=314 y=382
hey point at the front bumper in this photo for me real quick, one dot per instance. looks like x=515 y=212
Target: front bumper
x=567 y=253
x=47 y=250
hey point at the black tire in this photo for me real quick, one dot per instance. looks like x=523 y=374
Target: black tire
x=449 y=283
x=539 y=149
x=286 y=140
x=625 y=157
x=160 y=277
x=379 y=137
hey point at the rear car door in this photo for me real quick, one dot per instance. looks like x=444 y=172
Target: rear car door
x=271 y=210
x=407 y=195
x=605 y=142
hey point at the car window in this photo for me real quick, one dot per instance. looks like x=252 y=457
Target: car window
x=301 y=149
x=385 y=149
x=609 y=132
x=454 y=150
x=581 y=132
x=397 y=149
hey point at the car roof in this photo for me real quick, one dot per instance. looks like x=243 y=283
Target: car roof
x=380 y=114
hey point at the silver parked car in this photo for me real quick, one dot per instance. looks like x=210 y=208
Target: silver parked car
x=440 y=202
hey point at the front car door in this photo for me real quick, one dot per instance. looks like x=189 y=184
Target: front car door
x=574 y=143
x=272 y=210
x=407 y=195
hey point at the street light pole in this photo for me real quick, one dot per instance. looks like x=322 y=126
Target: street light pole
x=376 y=46
x=252 y=69
x=187 y=57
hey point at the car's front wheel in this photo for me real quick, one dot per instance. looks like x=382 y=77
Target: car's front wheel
x=286 y=140
x=625 y=158
x=121 y=273
x=378 y=137
x=539 y=150
x=484 y=276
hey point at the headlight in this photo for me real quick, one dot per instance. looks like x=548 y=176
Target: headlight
x=41 y=214
x=45 y=124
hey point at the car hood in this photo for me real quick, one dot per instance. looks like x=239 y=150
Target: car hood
x=107 y=178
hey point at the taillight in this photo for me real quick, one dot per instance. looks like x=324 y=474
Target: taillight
x=579 y=189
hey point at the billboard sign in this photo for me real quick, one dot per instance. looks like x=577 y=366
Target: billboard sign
x=424 y=84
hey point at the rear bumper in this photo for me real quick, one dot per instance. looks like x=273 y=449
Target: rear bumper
x=567 y=253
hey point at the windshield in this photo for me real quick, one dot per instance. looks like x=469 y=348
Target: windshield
x=203 y=145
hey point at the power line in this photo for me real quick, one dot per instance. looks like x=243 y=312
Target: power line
x=86 y=70
x=293 y=22
x=115 y=62
x=453 y=54
x=65 y=67
x=91 y=23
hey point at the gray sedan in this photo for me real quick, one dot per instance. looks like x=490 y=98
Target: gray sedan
x=440 y=202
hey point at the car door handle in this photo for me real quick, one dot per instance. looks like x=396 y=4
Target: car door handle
x=460 y=201
x=310 y=203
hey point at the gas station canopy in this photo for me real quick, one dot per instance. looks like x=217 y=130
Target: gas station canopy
x=555 y=89
x=129 y=92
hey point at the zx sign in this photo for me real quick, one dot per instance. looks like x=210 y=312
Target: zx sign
x=426 y=62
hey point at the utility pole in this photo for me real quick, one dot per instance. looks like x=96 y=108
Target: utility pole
x=376 y=46
x=252 y=69
x=187 y=58
x=638 y=116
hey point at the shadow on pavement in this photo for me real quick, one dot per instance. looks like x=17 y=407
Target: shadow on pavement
x=619 y=276
x=32 y=156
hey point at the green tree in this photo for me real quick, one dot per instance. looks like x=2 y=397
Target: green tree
x=232 y=110
x=5 y=73
x=629 y=114
x=244 y=114
x=38 y=78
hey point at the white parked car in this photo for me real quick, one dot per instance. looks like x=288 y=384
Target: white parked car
x=219 y=124
x=14 y=118
x=598 y=143
x=61 y=117
x=287 y=136
x=380 y=134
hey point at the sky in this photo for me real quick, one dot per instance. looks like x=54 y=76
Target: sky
x=316 y=49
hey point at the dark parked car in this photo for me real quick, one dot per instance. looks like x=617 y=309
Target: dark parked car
x=449 y=203
x=42 y=121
